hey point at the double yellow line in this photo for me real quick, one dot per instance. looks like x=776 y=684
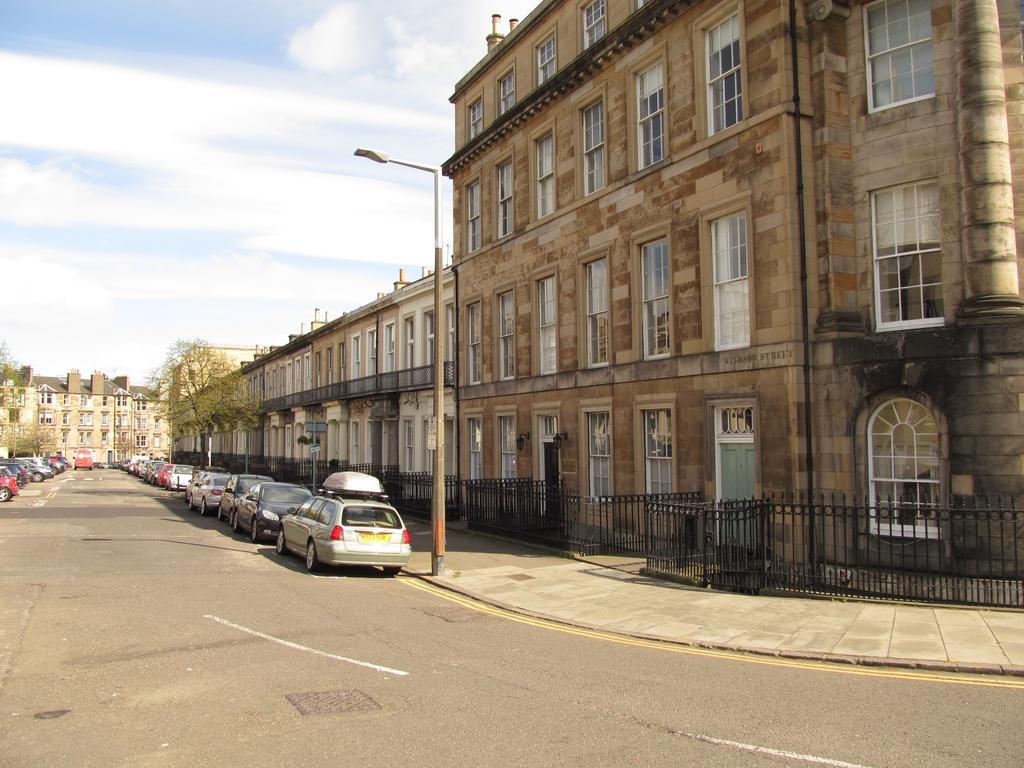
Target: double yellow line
x=768 y=661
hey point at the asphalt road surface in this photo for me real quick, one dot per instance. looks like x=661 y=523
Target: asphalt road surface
x=136 y=633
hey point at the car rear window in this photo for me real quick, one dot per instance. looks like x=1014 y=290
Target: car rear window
x=181 y=469
x=4 y=472
x=284 y=493
x=376 y=517
x=219 y=482
x=245 y=483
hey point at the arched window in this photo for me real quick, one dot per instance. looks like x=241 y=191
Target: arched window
x=905 y=468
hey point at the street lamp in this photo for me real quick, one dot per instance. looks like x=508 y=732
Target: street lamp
x=437 y=522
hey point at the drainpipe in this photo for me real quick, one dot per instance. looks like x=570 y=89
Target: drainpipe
x=455 y=388
x=804 y=292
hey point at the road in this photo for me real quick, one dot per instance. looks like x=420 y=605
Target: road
x=136 y=633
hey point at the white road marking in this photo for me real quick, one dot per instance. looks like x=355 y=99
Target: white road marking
x=298 y=647
x=772 y=752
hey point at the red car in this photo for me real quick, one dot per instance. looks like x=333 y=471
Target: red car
x=8 y=485
x=164 y=475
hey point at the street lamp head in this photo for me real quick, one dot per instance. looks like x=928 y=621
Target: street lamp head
x=376 y=155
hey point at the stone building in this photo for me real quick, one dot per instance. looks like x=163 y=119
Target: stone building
x=744 y=246
x=367 y=376
x=111 y=417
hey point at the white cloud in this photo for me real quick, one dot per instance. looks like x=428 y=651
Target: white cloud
x=334 y=43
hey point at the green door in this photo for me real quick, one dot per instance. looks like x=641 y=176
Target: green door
x=737 y=470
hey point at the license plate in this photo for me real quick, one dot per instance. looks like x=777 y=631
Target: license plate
x=375 y=538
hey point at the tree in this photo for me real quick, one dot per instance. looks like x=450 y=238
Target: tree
x=36 y=439
x=11 y=385
x=201 y=392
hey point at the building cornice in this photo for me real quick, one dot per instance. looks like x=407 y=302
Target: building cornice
x=640 y=26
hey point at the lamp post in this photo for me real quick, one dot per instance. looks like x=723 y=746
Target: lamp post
x=437 y=521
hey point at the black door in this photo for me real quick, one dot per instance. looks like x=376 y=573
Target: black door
x=552 y=478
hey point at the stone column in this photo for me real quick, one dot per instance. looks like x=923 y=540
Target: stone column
x=988 y=238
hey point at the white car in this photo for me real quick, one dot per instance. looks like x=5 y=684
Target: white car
x=179 y=477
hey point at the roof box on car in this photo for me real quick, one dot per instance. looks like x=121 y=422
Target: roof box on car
x=353 y=484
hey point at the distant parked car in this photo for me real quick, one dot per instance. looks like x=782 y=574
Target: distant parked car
x=19 y=472
x=351 y=525
x=237 y=487
x=153 y=476
x=8 y=484
x=164 y=475
x=179 y=477
x=58 y=463
x=83 y=459
x=260 y=510
x=37 y=472
x=206 y=494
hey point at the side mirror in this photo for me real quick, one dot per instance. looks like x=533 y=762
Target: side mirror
x=291 y=510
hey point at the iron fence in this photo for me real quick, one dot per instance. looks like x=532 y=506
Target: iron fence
x=970 y=552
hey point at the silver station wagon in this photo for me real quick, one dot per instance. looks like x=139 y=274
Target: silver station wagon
x=350 y=524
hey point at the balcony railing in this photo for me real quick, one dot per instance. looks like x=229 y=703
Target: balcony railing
x=379 y=384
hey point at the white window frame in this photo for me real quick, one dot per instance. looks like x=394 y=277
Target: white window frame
x=410 y=342
x=371 y=352
x=924 y=527
x=655 y=305
x=599 y=453
x=357 y=357
x=594 y=18
x=473 y=221
x=409 y=437
x=429 y=332
x=917 y=255
x=547 y=325
x=655 y=456
x=507 y=446
x=506 y=92
x=546 y=60
x=342 y=353
x=598 y=312
x=506 y=207
x=389 y=347
x=474 y=435
x=545 y=158
x=727 y=287
x=475 y=113
x=875 y=59
x=329 y=364
x=593 y=147
x=353 y=429
x=473 y=323
x=650 y=115
x=717 y=83
x=449 y=320
x=507 y=335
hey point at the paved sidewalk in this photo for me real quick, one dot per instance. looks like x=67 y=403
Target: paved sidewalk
x=609 y=594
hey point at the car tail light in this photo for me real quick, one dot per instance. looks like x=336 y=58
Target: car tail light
x=216 y=491
x=406 y=538
x=337 y=533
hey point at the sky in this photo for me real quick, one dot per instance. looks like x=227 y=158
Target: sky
x=177 y=169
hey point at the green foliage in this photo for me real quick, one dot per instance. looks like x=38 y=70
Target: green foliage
x=200 y=391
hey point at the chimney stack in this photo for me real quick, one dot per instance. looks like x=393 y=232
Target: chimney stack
x=495 y=37
x=121 y=381
x=317 y=323
x=96 y=383
x=74 y=381
x=401 y=283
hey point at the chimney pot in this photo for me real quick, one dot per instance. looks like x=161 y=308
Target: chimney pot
x=401 y=275
x=495 y=20
x=495 y=37
x=512 y=24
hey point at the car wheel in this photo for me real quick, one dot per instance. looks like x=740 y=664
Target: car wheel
x=234 y=522
x=5 y=493
x=202 y=507
x=37 y=478
x=220 y=512
x=392 y=570
x=254 y=532
x=312 y=561
x=281 y=545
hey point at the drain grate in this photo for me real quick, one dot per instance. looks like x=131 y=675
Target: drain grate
x=455 y=615
x=331 y=702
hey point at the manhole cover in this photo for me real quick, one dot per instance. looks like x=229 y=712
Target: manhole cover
x=520 y=576
x=455 y=615
x=331 y=702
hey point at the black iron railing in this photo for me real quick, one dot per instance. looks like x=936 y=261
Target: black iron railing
x=403 y=380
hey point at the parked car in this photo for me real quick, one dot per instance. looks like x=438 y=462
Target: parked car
x=179 y=477
x=350 y=525
x=19 y=472
x=164 y=475
x=259 y=511
x=8 y=484
x=57 y=463
x=153 y=476
x=37 y=472
x=100 y=465
x=237 y=487
x=207 y=492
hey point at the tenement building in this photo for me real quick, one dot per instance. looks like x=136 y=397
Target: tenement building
x=744 y=246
